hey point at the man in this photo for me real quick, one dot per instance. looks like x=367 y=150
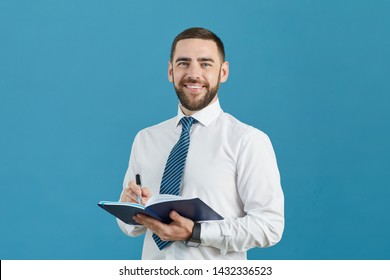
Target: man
x=229 y=165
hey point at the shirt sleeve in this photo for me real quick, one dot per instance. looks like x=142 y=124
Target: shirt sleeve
x=131 y=230
x=258 y=183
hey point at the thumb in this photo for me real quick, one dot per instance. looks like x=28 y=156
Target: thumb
x=175 y=216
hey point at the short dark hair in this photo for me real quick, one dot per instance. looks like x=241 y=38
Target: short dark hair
x=198 y=33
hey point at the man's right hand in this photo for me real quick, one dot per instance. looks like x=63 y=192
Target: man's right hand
x=132 y=191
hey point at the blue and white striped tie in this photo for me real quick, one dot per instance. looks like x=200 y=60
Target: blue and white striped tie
x=170 y=183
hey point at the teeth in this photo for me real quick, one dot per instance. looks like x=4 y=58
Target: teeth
x=194 y=87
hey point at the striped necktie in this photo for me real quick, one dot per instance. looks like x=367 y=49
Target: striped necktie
x=170 y=183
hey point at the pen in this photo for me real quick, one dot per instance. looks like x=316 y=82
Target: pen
x=138 y=182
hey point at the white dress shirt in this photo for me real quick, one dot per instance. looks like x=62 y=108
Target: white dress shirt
x=230 y=166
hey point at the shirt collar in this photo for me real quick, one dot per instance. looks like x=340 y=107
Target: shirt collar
x=205 y=116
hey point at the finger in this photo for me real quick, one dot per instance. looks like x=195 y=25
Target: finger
x=131 y=196
x=126 y=197
x=133 y=187
x=175 y=216
x=138 y=220
x=146 y=219
x=146 y=193
x=151 y=223
x=132 y=190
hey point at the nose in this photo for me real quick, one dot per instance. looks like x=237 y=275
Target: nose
x=194 y=71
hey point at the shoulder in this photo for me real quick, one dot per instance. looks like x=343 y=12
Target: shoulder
x=251 y=142
x=244 y=136
x=241 y=129
x=157 y=129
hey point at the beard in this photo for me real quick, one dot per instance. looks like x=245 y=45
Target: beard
x=196 y=104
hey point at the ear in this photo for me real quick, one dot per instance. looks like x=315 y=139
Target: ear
x=170 y=72
x=224 y=71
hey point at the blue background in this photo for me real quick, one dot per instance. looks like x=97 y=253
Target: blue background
x=78 y=80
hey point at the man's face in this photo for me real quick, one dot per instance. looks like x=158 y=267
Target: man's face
x=196 y=71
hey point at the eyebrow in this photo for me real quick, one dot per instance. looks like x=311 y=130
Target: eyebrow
x=202 y=59
x=206 y=59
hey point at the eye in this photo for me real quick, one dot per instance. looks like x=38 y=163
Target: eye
x=206 y=65
x=183 y=64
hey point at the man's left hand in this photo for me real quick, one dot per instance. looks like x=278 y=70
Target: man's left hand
x=179 y=229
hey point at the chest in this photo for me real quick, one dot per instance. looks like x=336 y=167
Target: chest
x=210 y=171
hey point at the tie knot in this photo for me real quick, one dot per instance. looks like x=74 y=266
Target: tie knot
x=186 y=123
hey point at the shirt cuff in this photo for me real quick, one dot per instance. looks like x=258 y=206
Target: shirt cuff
x=131 y=230
x=210 y=234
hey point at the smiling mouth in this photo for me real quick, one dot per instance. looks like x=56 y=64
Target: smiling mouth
x=194 y=86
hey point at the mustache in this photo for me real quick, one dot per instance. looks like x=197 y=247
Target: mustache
x=193 y=81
